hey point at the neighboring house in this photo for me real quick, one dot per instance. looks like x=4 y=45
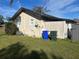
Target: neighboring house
x=32 y=24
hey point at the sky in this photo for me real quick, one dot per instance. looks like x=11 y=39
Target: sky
x=60 y=8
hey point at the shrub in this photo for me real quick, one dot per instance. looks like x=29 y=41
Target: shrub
x=10 y=28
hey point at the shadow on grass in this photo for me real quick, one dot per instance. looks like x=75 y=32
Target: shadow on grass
x=56 y=57
x=3 y=34
x=17 y=51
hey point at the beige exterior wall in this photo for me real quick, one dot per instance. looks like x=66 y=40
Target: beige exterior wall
x=59 y=26
x=27 y=26
x=28 y=23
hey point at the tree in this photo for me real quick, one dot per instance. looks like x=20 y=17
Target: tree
x=45 y=2
x=8 y=19
x=11 y=2
x=42 y=9
x=1 y=20
x=1 y=17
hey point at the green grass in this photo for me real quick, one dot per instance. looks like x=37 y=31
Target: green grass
x=23 y=47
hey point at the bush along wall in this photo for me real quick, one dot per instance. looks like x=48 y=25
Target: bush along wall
x=10 y=28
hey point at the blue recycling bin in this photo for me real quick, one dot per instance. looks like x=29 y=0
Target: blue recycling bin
x=45 y=35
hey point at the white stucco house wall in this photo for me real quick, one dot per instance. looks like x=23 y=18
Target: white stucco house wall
x=32 y=24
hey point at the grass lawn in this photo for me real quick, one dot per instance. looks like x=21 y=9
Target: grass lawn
x=23 y=47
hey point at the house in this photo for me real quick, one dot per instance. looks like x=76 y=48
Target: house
x=32 y=24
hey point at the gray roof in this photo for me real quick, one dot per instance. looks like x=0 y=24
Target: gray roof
x=44 y=17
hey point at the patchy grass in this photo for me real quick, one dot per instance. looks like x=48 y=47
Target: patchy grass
x=23 y=47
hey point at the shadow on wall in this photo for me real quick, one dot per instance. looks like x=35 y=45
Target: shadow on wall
x=17 y=51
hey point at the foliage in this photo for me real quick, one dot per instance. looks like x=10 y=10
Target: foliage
x=8 y=18
x=1 y=17
x=39 y=10
x=1 y=20
x=10 y=28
